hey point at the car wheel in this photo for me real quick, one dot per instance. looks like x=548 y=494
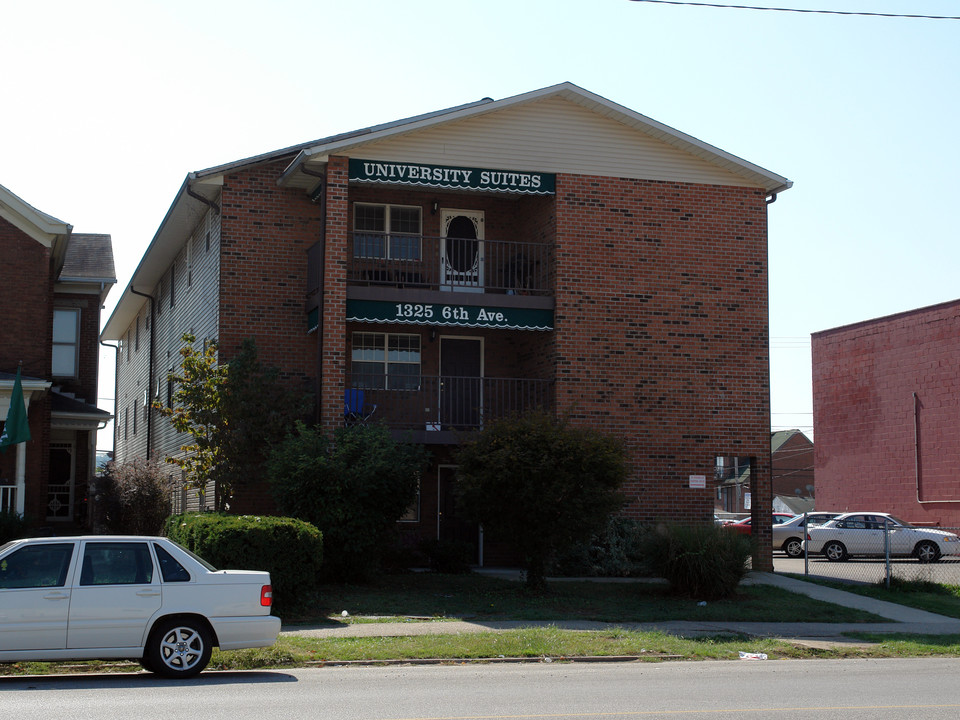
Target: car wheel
x=793 y=547
x=146 y=664
x=179 y=648
x=927 y=552
x=835 y=551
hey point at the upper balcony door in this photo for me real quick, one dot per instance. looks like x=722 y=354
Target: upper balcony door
x=461 y=253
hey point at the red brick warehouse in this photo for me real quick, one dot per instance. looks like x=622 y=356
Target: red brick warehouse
x=885 y=413
x=550 y=250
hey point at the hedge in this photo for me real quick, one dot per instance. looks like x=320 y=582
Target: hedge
x=290 y=550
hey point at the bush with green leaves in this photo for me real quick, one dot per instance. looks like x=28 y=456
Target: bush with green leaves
x=353 y=485
x=290 y=550
x=615 y=551
x=540 y=483
x=700 y=561
x=13 y=526
x=131 y=498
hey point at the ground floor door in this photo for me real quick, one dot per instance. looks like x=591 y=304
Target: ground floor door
x=451 y=527
x=60 y=487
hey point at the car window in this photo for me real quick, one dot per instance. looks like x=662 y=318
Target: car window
x=170 y=569
x=36 y=566
x=116 y=563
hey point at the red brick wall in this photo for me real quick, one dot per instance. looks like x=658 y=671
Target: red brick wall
x=26 y=286
x=265 y=234
x=885 y=408
x=661 y=331
x=84 y=386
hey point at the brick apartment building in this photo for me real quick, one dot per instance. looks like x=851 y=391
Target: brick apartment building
x=886 y=404
x=550 y=250
x=53 y=283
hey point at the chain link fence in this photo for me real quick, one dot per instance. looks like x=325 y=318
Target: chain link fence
x=868 y=548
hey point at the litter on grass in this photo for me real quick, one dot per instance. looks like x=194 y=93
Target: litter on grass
x=752 y=656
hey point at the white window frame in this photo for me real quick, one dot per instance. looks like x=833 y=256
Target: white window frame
x=75 y=343
x=360 y=250
x=385 y=360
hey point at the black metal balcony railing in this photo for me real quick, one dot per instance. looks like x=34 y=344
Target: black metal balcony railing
x=433 y=263
x=442 y=403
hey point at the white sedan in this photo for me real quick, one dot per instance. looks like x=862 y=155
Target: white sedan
x=142 y=598
x=868 y=534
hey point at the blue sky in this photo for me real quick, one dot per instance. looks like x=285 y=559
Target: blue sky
x=108 y=105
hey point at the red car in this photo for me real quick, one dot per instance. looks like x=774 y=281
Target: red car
x=743 y=526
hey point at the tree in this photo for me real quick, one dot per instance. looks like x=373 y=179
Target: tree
x=197 y=409
x=235 y=411
x=260 y=411
x=353 y=486
x=542 y=483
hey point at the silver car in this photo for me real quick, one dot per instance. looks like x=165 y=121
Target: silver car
x=788 y=536
x=869 y=534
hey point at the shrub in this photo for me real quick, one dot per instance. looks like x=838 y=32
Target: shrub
x=13 y=526
x=353 y=486
x=290 y=550
x=699 y=561
x=540 y=483
x=131 y=498
x=614 y=551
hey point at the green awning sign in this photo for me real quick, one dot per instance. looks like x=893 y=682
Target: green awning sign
x=472 y=316
x=449 y=177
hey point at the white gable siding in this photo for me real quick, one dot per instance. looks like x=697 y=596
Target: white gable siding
x=551 y=135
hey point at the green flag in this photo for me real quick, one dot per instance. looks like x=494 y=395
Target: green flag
x=15 y=429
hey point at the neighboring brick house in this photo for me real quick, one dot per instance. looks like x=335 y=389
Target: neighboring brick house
x=791 y=461
x=886 y=404
x=550 y=250
x=53 y=283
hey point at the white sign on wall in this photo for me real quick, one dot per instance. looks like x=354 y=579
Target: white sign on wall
x=698 y=481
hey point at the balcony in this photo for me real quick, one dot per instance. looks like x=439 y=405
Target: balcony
x=450 y=264
x=434 y=409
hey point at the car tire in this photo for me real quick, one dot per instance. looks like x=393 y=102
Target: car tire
x=146 y=664
x=927 y=552
x=793 y=547
x=178 y=648
x=835 y=551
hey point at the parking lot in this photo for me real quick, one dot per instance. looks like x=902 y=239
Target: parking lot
x=871 y=570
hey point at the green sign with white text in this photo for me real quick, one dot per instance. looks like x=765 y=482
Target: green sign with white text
x=448 y=176
x=473 y=316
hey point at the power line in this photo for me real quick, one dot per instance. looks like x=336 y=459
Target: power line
x=800 y=10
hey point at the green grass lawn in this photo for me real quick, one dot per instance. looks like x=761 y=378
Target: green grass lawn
x=437 y=598
x=920 y=594
x=480 y=597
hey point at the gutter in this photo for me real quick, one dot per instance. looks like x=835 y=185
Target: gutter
x=153 y=325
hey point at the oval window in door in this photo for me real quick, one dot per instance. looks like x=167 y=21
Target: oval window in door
x=461 y=244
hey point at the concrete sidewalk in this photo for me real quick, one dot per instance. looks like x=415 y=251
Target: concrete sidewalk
x=902 y=620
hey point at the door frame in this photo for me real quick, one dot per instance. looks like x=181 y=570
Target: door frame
x=479 y=221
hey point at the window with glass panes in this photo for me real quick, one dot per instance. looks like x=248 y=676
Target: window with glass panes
x=66 y=338
x=385 y=360
x=386 y=231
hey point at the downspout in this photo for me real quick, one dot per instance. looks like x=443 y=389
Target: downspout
x=153 y=325
x=322 y=197
x=197 y=196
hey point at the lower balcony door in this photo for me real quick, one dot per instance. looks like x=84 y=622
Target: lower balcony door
x=461 y=383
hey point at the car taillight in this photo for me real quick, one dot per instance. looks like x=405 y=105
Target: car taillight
x=266 y=595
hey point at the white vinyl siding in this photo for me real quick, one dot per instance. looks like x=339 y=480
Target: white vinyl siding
x=551 y=135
